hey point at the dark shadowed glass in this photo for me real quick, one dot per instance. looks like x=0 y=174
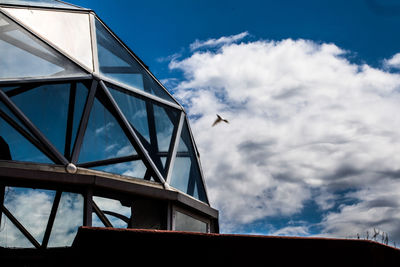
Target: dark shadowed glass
x=20 y=149
x=183 y=222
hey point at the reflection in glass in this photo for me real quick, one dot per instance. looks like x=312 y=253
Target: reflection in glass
x=134 y=168
x=47 y=107
x=109 y=206
x=20 y=148
x=23 y=55
x=104 y=138
x=118 y=64
x=69 y=217
x=183 y=222
x=154 y=124
x=11 y=237
x=51 y=107
x=186 y=174
x=78 y=101
x=69 y=31
x=31 y=207
x=134 y=110
x=96 y=222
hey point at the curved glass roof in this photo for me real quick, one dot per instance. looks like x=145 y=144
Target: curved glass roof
x=72 y=92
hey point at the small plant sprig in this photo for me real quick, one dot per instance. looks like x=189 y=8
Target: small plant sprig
x=377 y=236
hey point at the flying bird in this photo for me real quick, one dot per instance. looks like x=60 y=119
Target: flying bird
x=219 y=119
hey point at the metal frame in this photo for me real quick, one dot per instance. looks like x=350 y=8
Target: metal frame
x=89 y=185
x=134 y=56
x=88 y=182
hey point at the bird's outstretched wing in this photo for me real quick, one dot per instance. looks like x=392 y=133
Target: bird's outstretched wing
x=219 y=119
x=216 y=122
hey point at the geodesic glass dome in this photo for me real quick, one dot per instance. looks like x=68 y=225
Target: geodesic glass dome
x=88 y=136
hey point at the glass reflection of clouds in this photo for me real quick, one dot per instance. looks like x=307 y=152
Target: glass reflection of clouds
x=69 y=217
x=104 y=138
x=31 y=207
x=186 y=174
x=55 y=112
x=134 y=169
x=112 y=206
x=28 y=57
x=11 y=237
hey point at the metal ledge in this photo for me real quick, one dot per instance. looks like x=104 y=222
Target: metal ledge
x=55 y=176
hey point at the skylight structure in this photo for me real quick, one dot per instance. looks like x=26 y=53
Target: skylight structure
x=88 y=136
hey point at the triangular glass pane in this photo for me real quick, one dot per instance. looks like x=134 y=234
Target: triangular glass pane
x=20 y=149
x=104 y=137
x=117 y=63
x=48 y=107
x=69 y=217
x=79 y=104
x=40 y=3
x=11 y=236
x=186 y=175
x=69 y=31
x=24 y=55
x=154 y=123
x=31 y=207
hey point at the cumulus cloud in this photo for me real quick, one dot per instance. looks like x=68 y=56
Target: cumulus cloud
x=306 y=124
x=393 y=62
x=217 y=42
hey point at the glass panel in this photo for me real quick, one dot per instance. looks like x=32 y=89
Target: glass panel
x=69 y=31
x=39 y=3
x=23 y=55
x=96 y=222
x=165 y=120
x=112 y=205
x=186 y=174
x=153 y=123
x=31 y=207
x=11 y=237
x=80 y=101
x=118 y=64
x=104 y=138
x=183 y=222
x=69 y=217
x=134 y=110
x=134 y=169
x=15 y=147
x=47 y=107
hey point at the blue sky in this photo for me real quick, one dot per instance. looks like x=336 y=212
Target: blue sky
x=311 y=90
x=157 y=29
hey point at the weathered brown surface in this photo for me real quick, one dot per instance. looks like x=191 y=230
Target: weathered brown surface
x=129 y=247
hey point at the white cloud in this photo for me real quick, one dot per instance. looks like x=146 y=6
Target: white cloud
x=225 y=40
x=305 y=124
x=393 y=62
